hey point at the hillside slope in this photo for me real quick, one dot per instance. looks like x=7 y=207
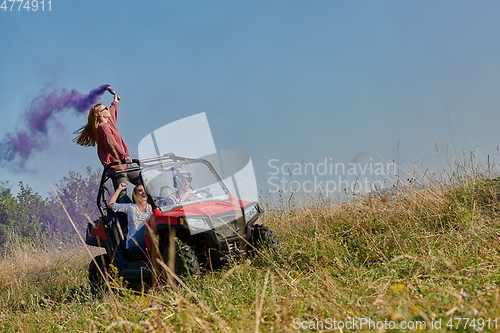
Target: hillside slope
x=412 y=259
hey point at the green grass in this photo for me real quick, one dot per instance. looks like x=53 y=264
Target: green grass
x=420 y=257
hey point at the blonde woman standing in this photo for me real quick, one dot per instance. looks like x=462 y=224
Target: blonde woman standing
x=101 y=130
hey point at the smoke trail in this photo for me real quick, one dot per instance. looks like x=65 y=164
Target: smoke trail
x=16 y=147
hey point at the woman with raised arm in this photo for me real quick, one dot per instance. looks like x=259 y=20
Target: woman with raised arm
x=101 y=130
x=138 y=214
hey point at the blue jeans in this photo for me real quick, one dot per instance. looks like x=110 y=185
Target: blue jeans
x=136 y=242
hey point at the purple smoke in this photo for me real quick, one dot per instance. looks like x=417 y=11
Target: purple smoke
x=16 y=147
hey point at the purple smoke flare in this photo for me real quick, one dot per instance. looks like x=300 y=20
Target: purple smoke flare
x=16 y=147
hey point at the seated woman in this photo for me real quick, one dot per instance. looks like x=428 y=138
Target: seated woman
x=138 y=214
x=185 y=193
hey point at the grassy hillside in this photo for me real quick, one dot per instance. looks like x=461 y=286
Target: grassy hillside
x=410 y=260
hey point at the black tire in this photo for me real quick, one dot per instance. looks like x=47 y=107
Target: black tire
x=186 y=261
x=263 y=237
x=98 y=274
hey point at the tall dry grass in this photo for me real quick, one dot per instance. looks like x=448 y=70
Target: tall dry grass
x=418 y=254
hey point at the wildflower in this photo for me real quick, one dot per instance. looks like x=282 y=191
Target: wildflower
x=416 y=308
x=397 y=287
x=396 y=315
x=113 y=269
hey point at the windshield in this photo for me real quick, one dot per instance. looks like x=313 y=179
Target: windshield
x=182 y=183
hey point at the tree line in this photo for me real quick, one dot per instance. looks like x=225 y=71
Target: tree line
x=29 y=215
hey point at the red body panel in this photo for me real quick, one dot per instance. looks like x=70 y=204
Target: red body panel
x=98 y=231
x=209 y=208
x=203 y=208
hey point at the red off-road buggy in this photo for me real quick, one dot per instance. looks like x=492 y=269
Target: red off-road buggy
x=199 y=234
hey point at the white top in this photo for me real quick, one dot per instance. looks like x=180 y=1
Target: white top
x=135 y=217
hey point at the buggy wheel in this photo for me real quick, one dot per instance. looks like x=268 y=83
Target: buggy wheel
x=263 y=237
x=98 y=274
x=186 y=262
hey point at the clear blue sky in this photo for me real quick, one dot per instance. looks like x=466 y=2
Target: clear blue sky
x=287 y=80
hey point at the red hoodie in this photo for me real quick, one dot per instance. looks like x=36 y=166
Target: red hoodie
x=110 y=144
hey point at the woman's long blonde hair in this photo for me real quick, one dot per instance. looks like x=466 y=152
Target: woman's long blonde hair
x=87 y=135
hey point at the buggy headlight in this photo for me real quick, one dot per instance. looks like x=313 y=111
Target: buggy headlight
x=196 y=223
x=250 y=212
